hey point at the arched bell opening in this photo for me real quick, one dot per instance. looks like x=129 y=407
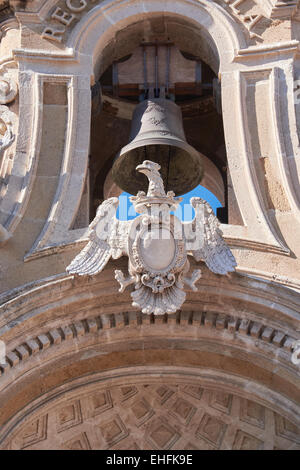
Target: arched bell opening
x=168 y=50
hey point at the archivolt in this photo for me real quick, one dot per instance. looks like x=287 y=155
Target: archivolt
x=99 y=26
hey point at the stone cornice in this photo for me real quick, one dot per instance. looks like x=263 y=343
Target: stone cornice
x=280 y=48
x=279 y=8
x=57 y=297
x=40 y=55
x=231 y=329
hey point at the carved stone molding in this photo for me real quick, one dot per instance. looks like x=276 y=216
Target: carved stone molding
x=279 y=305
x=57 y=23
x=236 y=333
x=8 y=88
x=279 y=8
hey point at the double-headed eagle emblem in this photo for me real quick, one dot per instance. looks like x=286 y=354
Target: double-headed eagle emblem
x=157 y=244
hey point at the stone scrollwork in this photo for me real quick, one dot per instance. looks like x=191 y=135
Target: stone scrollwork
x=6 y=129
x=8 y=88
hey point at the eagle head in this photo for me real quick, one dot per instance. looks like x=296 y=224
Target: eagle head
x=148 y=167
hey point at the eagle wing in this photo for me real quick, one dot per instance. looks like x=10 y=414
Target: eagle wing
x=205 y=241
x=105 y=240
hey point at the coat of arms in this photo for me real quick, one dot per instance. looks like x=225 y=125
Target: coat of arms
x=157 y=244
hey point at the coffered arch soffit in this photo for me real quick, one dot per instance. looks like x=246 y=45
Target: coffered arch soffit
x=129 y=408
x=236 y=333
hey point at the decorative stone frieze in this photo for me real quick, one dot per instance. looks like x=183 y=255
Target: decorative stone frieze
x=235 y=328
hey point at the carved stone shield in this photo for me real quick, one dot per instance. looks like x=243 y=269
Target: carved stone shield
x=157 y=258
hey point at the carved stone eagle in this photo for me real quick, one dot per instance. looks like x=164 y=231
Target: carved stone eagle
x=157 y=244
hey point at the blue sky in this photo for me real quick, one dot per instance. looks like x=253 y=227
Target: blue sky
x=185 y=212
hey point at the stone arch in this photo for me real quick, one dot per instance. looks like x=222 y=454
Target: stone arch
x=216 y=25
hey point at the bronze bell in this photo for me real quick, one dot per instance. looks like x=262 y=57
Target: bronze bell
x=157 y=134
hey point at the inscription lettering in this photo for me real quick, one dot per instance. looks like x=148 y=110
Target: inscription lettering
x=53 y=33
x=77 y=9
x=63 y=16
x=73 y=9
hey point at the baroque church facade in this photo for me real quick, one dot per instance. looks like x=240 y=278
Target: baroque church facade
x=82 y=368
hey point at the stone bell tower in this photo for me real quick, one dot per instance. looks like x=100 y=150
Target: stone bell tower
x=80 y=367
